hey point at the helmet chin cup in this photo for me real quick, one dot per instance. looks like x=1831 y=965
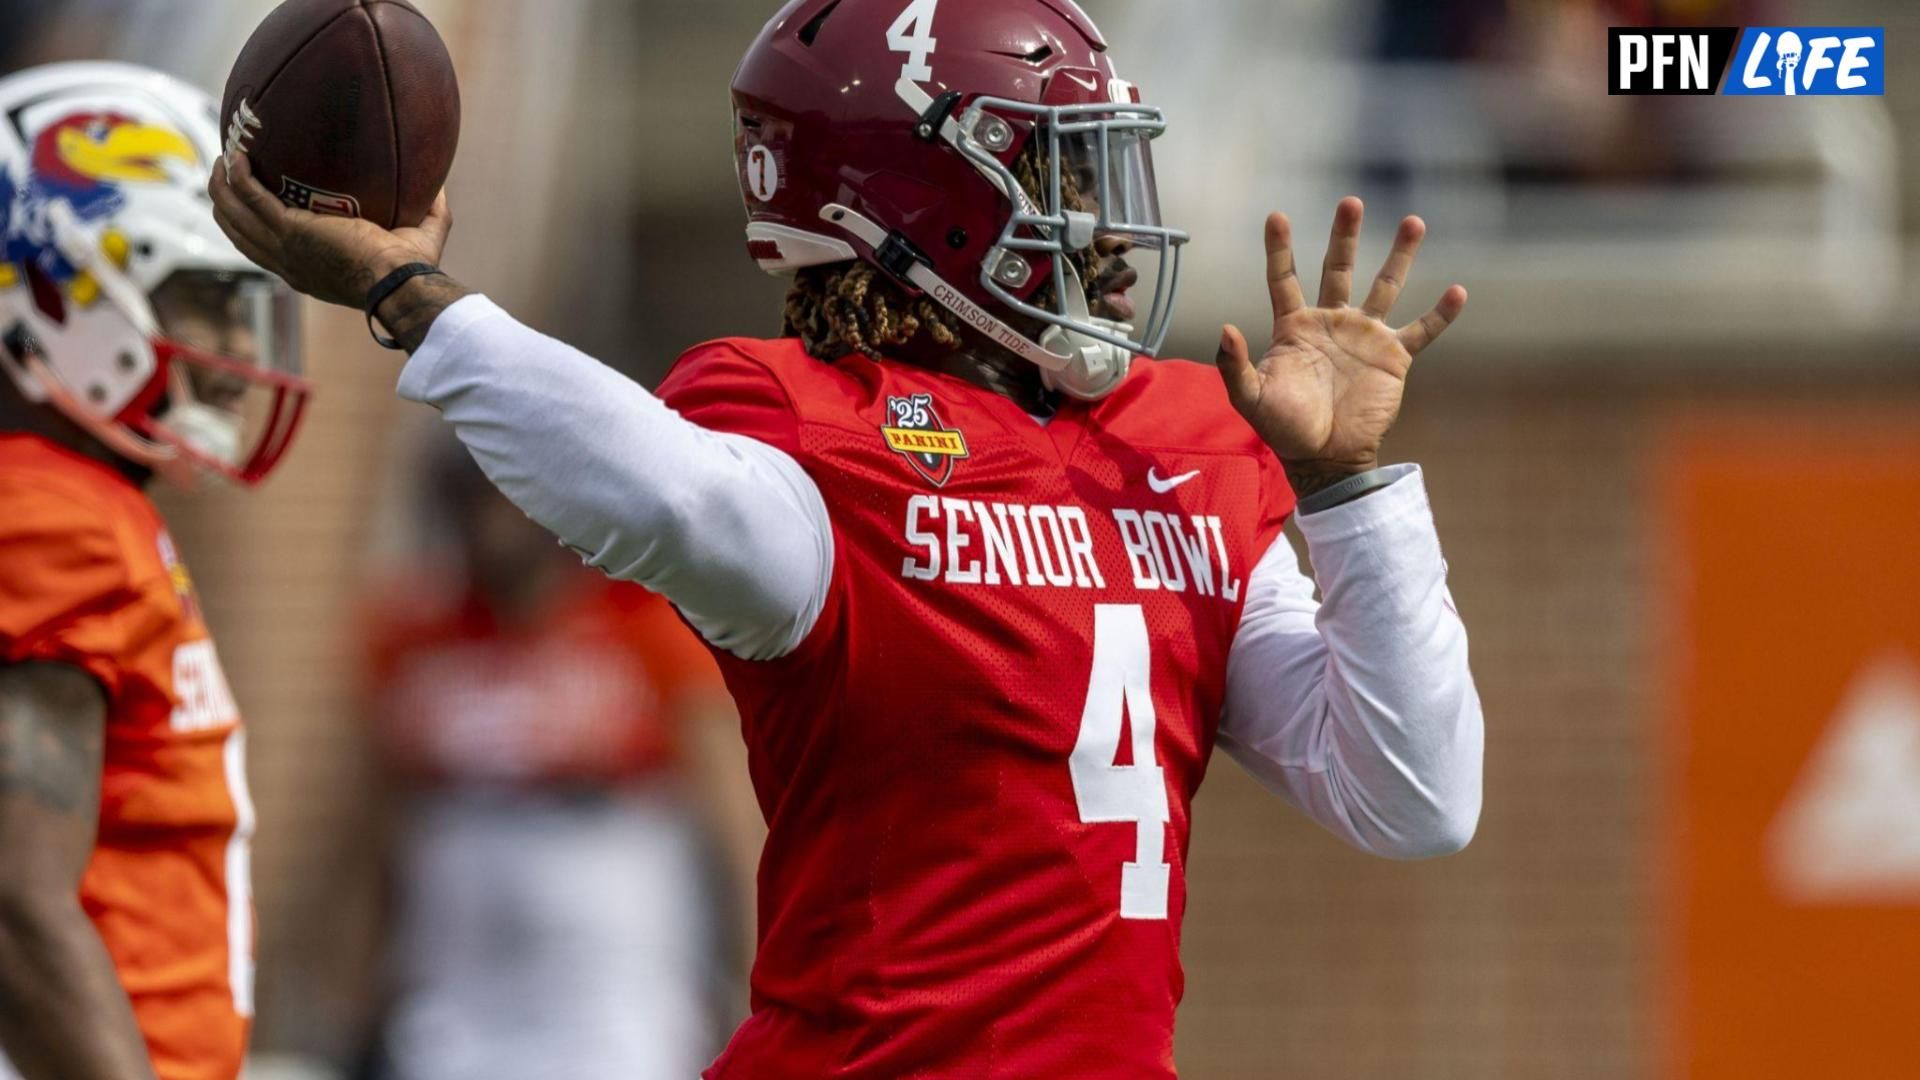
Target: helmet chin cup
x=1097 y=369
x=212 y=432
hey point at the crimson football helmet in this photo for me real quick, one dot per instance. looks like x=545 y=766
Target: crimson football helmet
x=889 y=130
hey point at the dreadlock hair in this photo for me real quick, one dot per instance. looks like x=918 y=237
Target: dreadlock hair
x=853 y=307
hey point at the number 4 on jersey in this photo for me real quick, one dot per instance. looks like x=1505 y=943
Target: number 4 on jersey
x=912 y=33
x=1120 y=689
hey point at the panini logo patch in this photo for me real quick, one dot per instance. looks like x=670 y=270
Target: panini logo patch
x=916 y=433
x=930 y=443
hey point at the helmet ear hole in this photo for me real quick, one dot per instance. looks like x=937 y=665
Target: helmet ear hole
x=16 y=344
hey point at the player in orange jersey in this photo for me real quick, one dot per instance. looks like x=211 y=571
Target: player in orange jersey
x=134 y=342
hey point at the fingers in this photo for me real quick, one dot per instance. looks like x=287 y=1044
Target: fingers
x=238 y=219
x=1236 y=368
x=255 y=253
x=244 y=205
x=246 y=189
x=1393 y=276
x=1283 y=277
x=1417 y=336
x=1336 y=276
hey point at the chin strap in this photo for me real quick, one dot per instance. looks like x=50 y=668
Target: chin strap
x=1071 y=363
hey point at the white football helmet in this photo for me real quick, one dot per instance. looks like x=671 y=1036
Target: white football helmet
x=121 y=303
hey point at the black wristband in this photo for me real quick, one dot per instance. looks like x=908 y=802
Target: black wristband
x=1346 y=491
x=386 y=288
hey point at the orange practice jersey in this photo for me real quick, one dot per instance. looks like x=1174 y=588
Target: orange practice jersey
x=89 y=577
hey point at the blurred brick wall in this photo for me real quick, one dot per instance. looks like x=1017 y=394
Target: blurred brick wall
x=1532 y=954
x=1521 y=957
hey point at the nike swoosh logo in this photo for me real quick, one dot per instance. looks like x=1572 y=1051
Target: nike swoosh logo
x=1092 y=85
x=1161 y=487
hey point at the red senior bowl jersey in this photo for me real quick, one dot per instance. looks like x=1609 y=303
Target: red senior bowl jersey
x=977 y=768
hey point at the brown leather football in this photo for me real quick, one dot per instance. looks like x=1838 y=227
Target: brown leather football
x=347 y=107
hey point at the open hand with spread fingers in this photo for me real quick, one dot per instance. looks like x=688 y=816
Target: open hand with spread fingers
x=1329 y=387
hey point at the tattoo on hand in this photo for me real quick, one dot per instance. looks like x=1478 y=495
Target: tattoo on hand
x=50 y=759
x=348 y=281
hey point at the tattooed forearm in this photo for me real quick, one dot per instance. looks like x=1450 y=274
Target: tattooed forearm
x=410 y=312
x=51 y=739
x=63 y=1012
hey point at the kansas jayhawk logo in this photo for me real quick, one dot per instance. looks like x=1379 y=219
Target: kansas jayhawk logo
x=914 y=431
x=83 y=161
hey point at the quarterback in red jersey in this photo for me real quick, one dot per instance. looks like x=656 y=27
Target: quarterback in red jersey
x=132 y=336
x=988 y=582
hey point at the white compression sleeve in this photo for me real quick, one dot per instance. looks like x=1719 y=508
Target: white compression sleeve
x=1361 y=710
x=731 y=530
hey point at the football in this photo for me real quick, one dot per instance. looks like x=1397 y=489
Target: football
x=347 y=107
